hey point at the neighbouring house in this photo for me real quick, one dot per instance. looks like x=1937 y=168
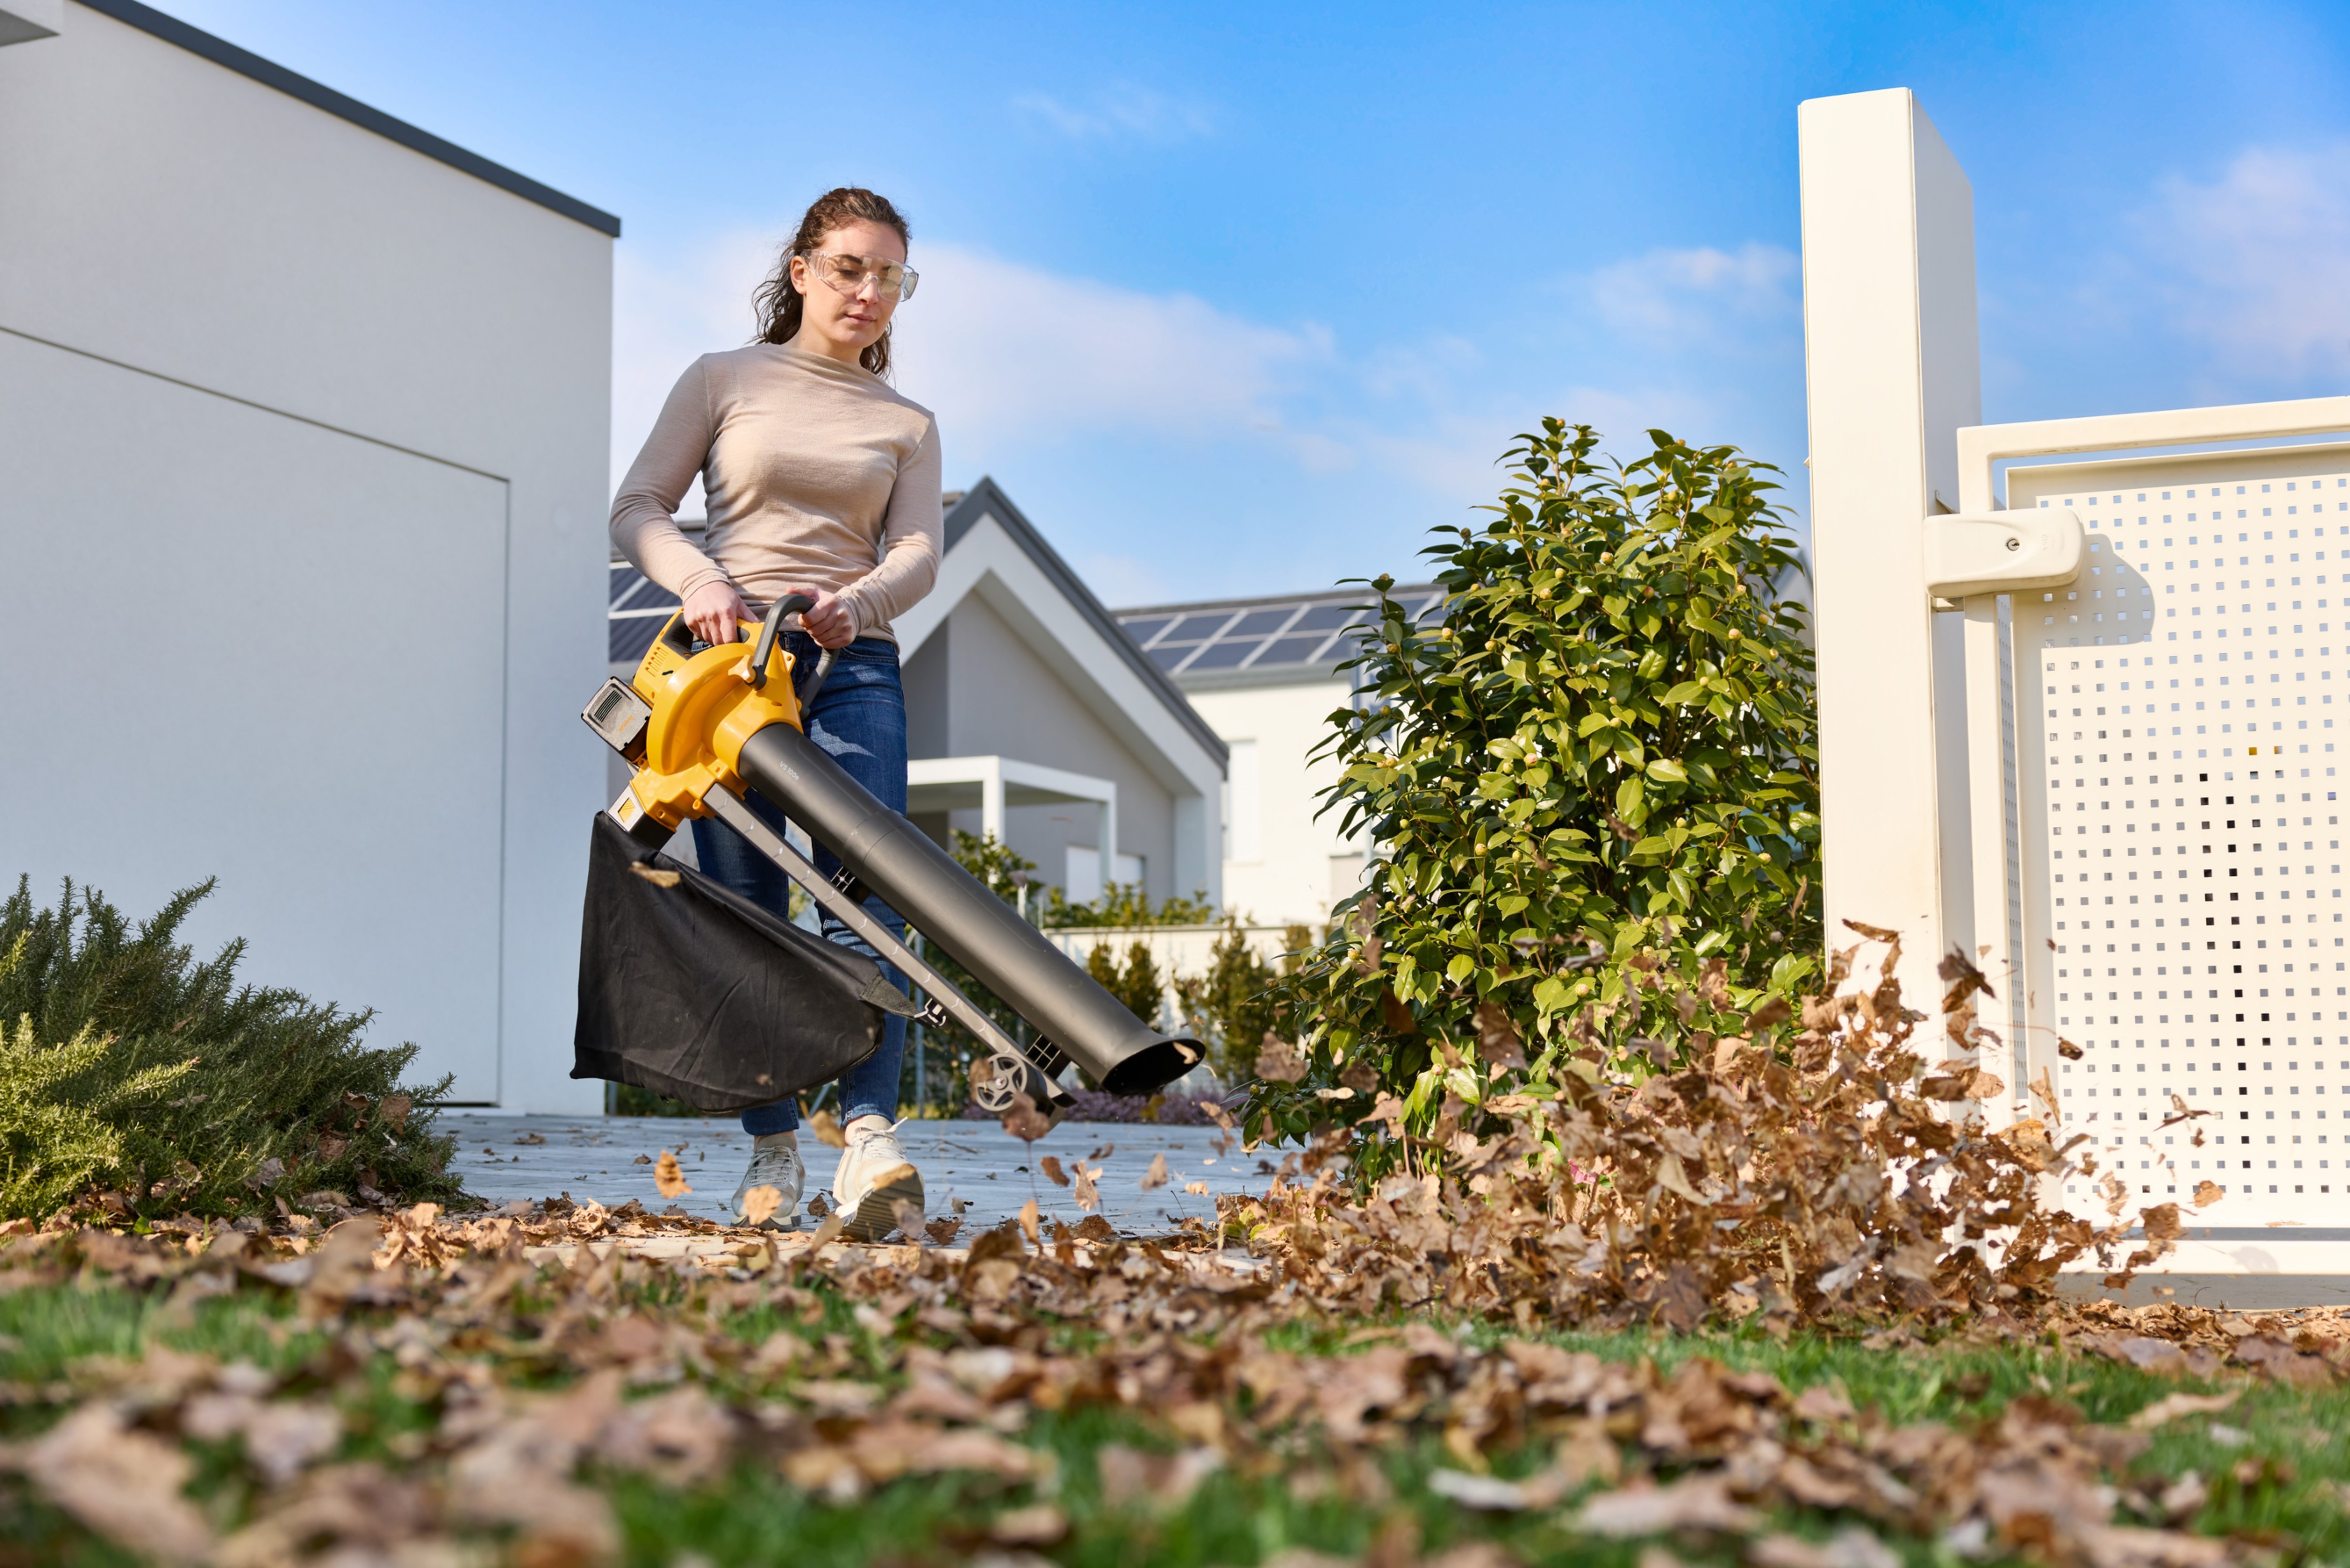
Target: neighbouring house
x=1264 y=673
x=304 y=420
x=1029 y=715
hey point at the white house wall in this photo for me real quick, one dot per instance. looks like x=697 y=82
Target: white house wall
x=381 y=479
x=986 y=562
x=1002 y=699
x=1302 y=865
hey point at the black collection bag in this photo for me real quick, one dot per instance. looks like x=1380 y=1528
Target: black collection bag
x=693 y=991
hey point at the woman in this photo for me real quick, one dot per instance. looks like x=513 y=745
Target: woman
x=821 y=480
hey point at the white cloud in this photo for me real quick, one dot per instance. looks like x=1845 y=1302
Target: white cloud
x=1019 y=363
x=1008 y=352
x=1120 y=110
x=668 y=308
x=1678 y=297
x=2263 y=257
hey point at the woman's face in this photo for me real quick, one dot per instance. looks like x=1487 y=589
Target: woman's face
x=844 y=325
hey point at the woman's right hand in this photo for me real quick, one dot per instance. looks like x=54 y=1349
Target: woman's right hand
x=716 y=613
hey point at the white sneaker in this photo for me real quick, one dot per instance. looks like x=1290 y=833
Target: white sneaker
x=775 y=1162
x=874 y=1176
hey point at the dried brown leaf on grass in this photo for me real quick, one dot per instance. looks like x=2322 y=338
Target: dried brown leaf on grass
x=1183 y=1341
x=122 y=1483
x=1811 y=1181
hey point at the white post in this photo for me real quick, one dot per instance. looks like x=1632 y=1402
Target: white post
x=991 y=800
x=1893 y=372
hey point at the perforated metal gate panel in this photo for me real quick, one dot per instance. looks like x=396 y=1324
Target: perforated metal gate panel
x=2179 y=712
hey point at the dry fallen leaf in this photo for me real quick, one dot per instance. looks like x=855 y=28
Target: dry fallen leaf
x=1024 y=1121
x=759 y=1204
x=1156 y=1177
x=2171 y=1406
x=122 y=1483
x=669 y=1178
x=1053 y=1171
x=1277 y=1061
x=1160 y=1482
x=1694 y=1502
x=1037 y=1524
x=1497 y=1038
x=654 y=873
x=2207 y=1193
x=1082 y=1187
x=827 y=1128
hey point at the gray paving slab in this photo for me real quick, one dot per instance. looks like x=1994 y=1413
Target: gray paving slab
x=975 y=1170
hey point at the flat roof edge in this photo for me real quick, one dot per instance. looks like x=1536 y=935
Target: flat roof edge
x=319 y=95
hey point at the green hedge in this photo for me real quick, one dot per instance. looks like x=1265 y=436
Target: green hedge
x=138 y=1080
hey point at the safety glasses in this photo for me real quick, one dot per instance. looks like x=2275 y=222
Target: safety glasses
x=846 y=274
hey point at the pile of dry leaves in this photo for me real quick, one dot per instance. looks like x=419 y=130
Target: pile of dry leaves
x=1824 y=1176
x=1827 y=1173
x=956 y=1352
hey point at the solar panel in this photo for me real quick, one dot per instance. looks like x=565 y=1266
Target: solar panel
x=1142 y=630
x=1223 y=655
x=1258 y=622
x=1293 y=650
x=1168 y=658
x=1200 y=624
x=1326 y=617
x=630 y=637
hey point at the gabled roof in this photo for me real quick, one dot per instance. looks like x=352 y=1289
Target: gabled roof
x=986 y=499
x=1214 y=643
x=318 y=95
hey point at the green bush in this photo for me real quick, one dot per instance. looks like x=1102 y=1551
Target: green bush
x=1135 y=980
x=1605 y=749
x=1240 y=999
x=1122 y=905
x=137 y=1079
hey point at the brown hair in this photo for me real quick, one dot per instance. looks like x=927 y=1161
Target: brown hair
x=778 y=305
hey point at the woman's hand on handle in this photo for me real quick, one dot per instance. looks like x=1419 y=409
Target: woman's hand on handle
x=829 y=621
x=716 y=613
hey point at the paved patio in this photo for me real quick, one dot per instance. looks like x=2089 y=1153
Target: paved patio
x=975 y=1169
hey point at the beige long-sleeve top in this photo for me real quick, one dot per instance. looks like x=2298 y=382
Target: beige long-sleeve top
x=814 y=473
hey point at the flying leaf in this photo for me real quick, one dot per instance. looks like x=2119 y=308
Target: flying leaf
x=1156 y=1177
x=1051 y=1167
x=759 y=1204
x=1277 y=1061
x=669 y=1178
x=1497 y=1038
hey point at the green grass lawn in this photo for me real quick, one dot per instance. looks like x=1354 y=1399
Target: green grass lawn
x=1275 y=1497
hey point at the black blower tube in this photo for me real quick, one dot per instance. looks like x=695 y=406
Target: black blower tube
x=949 y=906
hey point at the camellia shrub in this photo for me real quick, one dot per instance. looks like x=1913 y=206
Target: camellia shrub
x=1592 y=780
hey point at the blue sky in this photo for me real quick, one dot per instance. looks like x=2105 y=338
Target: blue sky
x=1245 y=299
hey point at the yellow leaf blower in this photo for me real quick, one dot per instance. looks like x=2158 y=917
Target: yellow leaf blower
x=703 y=729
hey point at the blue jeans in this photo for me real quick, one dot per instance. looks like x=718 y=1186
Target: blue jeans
x=859 y=718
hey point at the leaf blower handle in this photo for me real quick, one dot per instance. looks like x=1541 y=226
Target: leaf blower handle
x=789 y=605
